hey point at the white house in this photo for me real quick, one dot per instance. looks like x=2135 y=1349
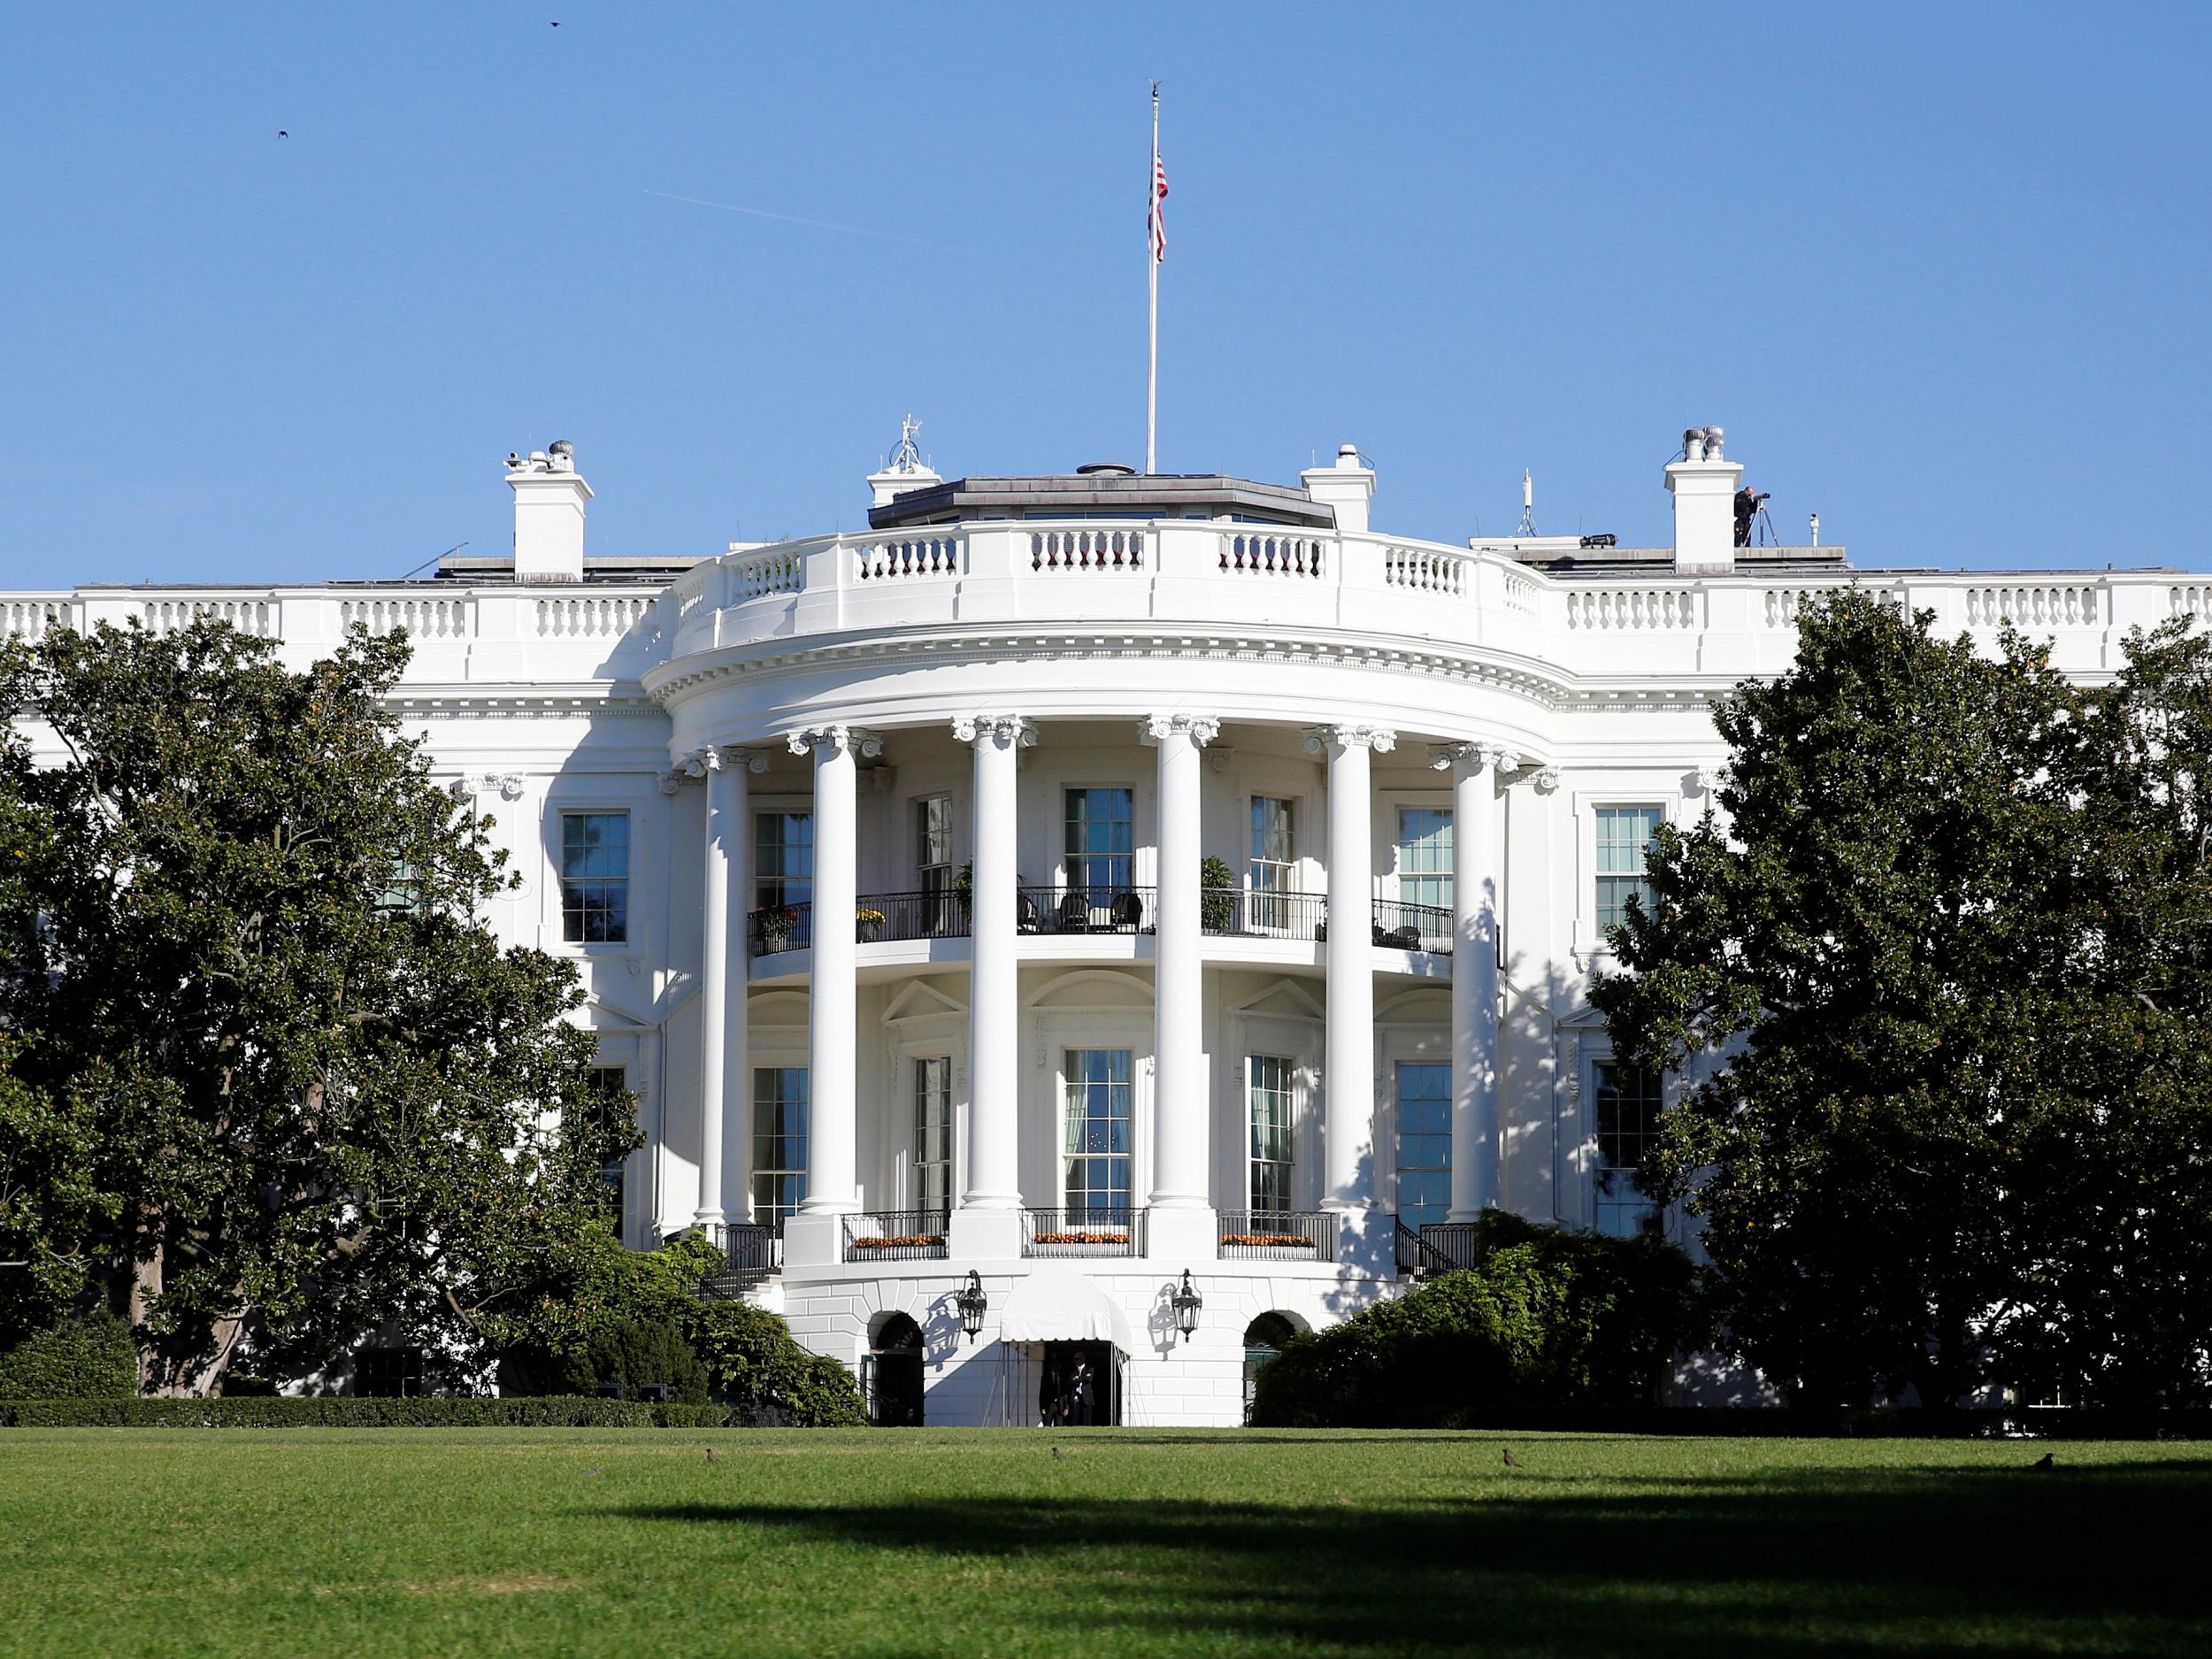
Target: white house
x=888 y=859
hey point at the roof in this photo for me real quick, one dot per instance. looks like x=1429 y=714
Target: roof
x=1103 y=494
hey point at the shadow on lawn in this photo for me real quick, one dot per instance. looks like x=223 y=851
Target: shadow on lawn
x=1945 y=1563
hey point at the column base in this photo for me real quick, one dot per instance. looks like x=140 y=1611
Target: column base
x=813 y=1240
x=1187 y=1236
x=984 y=1235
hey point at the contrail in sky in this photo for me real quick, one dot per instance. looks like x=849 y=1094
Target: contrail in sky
x=817 y=224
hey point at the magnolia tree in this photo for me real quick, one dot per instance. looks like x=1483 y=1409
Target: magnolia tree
x=1942 y=957
x=268 y=1081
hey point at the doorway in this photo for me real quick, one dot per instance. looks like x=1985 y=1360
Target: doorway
x=892 y=1379
x=1079 y=1385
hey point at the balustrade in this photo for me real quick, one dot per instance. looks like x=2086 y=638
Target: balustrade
x=896 y=1235
x=423 y=617
x=591 y=615
x=1427 y=571
x=1098 y=1231
x=1279 y=1235
x=1115 y=552
x=926 y=556
x=1266 y=553
x=1617 y=608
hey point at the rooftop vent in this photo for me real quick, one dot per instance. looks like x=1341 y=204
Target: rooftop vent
x=1106 y=469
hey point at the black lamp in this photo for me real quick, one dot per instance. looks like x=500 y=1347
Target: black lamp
x=972 y=1304
x=1187 y=1301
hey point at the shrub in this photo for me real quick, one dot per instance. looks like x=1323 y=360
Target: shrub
x=1547 y=1317
x=417 y=1411
x=753 y=1362
x=628 y=1357
x=87 y=1357
x=1217 y=895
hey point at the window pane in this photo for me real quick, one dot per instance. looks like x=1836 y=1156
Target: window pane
x=779 y=1142
x=1625 y=835
x=1101 y=826
x=1094 y=1119
x=1424 y=1142
x=1268 y=1094
x=1628 y=1102
x=783 y=858
x=933 y=1133
x=1424 y=856
x=594 y=877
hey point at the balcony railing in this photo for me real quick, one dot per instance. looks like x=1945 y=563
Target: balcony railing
x=1090 y=1232
x=940 y=915
x=1416 y=1258
x=896 y=1235
x=1278 y=1235
x=751 y=1255
x=1237 y=913
x=1453 y=1243
x=1098 y=909
x=1413 y=926
x=779 y=927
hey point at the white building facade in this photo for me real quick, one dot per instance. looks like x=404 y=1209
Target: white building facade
x=1086 y=887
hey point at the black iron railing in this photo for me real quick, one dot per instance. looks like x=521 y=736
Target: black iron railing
x=1087 y=909
x=780 y=927
x=1082 y=1232
x=1413 y=926
x=1416 y=1258
x=1279 y=1235
x=1236 y=912
x=894 y=1235
x=1452 y=1242
x=751 y=1255
x=940 y=915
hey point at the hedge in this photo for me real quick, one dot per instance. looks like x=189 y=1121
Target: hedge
x=350 y=1412
x=86 y=1358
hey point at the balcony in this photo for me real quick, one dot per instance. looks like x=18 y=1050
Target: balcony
x=1237 y=913
x=1412 y=926
x=1059 y=1233
x=1278 y=1235
x=879 y=915
x=1087 y=909
x=896 y=1235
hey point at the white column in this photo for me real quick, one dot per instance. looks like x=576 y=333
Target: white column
x=1477 y=1057
x=714 y=975
x=833 y=1035
x=993 y=1004
x=1181 y=1144
x=1348 y=1063
x=739 y=765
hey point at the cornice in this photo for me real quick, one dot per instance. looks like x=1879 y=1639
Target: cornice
x=520 y=701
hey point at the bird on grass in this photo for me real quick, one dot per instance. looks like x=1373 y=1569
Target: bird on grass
x=1058 y=1454
x=713 y=1456
x=1512 y=1462
x=2044 y=1462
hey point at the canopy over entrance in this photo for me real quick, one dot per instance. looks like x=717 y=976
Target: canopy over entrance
x=1050 y=1305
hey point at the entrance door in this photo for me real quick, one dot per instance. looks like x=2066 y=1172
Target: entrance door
x=894 y=1375
x=1080 y=1385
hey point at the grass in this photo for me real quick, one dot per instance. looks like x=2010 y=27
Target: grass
x=558 y=1542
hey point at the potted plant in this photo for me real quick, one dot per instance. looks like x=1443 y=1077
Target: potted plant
x=868 y=925
x=964 y=891
x=776 y=923
x=1217 y=895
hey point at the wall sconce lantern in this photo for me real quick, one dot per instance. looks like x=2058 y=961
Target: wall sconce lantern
x=974 y=1304
x=1187 y=1302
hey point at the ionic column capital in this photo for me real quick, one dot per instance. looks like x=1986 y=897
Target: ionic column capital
x=1544 y=776
x=834 y=739
x=1472 y=756
x=1201 y=729
x=1008 y=731
x=1323 y=739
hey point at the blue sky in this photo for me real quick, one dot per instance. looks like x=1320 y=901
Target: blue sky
x=1940 y=271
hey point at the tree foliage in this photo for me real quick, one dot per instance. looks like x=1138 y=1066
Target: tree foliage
x=1938 y=960
x=1545 y=1317
x=271 y=1071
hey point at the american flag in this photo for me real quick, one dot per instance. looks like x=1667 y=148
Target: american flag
x=1158 y=215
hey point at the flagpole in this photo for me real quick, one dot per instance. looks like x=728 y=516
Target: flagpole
x=1152 y=261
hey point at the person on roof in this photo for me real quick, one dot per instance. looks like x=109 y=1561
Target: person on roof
x=1747 y=503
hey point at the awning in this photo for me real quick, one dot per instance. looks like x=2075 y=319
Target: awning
x=1051 y=1305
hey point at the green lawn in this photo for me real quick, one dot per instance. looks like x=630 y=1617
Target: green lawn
x=548 y=1542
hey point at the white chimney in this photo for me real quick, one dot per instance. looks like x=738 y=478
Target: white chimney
x=1704 y=489
x=550 y=497
x=904 y=471
x=1348 y=486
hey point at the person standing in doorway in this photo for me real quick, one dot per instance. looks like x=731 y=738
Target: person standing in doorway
x=1084 y=1394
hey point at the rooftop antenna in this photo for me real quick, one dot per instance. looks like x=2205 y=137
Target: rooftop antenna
x=1527 y=527
x=435 y=557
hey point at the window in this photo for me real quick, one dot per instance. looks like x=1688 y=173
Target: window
x=1629 y=1102
x=780 y=1137
x=932 y=1133
x=594 y=877
x=1267 y=1088
x=387 y=1373
x=609 y=1104
x=1424 y=856
x=783 y=859
x=1100 y=842
x=933 y=863
x=1095 y=1137
x=1625 y=835
x=1425 y=1143
x=1271 y=868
